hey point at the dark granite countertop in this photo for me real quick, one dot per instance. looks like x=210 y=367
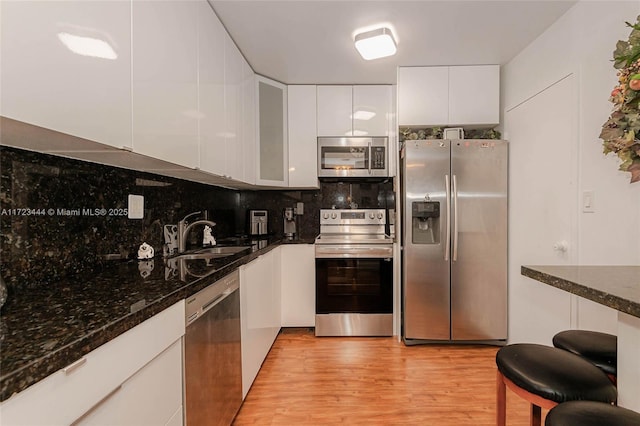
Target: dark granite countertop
x=617 y=287
x=45 y=329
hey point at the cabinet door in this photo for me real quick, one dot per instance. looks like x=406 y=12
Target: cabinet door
x=259 y=313
x=298 y=285
x=272 y=133
x=474 y=95
x=423 y=96
x=66 y=66
x=165 y=77
x=303 y=141
x=150 y=397
x=335 y=106
x=371 y=110
x=248 y=123
x=211 y=90
x=233 y=108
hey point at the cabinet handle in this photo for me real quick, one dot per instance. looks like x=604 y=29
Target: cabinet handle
x=96 y=405
x=74 y=366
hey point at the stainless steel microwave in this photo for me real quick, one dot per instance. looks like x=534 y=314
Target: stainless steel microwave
x=353 y=157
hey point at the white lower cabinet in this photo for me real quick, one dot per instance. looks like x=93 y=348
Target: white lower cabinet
x=259 y=312
x=146 y=360
x=152 y=396
x=298 y=285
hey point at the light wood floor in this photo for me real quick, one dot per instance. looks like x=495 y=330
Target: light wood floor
x=307 y=380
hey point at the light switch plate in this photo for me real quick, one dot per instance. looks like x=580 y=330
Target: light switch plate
x=588 y=202
x=136 y=207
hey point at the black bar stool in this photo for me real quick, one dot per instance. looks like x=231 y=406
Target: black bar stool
x=545 y=377
x=599 y=348
x=589 y=413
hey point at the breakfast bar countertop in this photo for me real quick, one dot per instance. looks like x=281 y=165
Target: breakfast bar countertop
x=617 y=287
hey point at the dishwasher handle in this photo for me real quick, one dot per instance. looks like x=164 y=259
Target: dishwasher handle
x=219 y=298
x=209 y=298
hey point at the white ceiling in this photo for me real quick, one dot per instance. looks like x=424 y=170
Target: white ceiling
x=311 y=42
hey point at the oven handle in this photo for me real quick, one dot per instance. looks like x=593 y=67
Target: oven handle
x=360 y=252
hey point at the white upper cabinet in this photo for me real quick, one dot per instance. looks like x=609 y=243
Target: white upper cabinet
x=165 y=81
x=353 y=110
x=474 y=95
x=211 y=90
x=227 y=102
x=303 y=151
x=449 y=96
x=248 y=123
x=233 y=109
x=371 y=110
x=423 y=96
x=53 y=77
x=271 y=149
x=335 y=105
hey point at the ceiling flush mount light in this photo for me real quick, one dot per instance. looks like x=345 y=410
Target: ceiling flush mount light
x=375 y=44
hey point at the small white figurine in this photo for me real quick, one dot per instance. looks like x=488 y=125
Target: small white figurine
x=208 y=239
x=145 y=251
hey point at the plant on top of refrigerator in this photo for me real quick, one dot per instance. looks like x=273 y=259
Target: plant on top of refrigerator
x=621 y=132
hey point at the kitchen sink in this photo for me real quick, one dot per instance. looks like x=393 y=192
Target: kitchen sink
x=213 y=252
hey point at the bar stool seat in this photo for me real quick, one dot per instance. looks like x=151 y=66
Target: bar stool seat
x=546 y=376
x=599 y=348
x=589 y=413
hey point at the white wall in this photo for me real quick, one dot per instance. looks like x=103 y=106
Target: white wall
x=580 y=44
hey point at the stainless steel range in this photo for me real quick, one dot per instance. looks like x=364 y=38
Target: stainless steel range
x=354 y=274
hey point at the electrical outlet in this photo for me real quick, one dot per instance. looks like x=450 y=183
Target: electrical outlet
x=300 y=209
x=136 y=206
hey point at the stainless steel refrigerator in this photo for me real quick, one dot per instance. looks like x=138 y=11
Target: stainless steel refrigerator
x=454 y=240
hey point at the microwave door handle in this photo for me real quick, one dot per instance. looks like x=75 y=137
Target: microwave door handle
x=369 y=155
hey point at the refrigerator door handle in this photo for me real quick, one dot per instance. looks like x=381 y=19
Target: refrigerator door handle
x=455 y=218
x=447 y=247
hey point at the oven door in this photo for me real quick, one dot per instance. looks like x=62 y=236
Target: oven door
x=354 y=278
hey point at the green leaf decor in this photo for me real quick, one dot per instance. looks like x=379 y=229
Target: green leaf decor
x=621 y=132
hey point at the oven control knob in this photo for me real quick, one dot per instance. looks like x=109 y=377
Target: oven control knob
x=333 y=215
x=325 y=215
x=380 y=215
x=372 y=215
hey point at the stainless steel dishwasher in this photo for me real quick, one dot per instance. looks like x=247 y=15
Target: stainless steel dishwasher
x=213 y=358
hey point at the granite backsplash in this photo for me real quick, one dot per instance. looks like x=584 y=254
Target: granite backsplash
x=60 y=217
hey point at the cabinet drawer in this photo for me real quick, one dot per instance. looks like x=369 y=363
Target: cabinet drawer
x=69 y=393
x=150 y=397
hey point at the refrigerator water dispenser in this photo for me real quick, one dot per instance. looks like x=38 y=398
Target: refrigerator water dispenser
x=425 y=227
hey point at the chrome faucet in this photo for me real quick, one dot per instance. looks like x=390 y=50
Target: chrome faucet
x=183 y=229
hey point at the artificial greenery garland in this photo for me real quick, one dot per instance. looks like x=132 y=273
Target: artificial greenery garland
x=621 y=133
